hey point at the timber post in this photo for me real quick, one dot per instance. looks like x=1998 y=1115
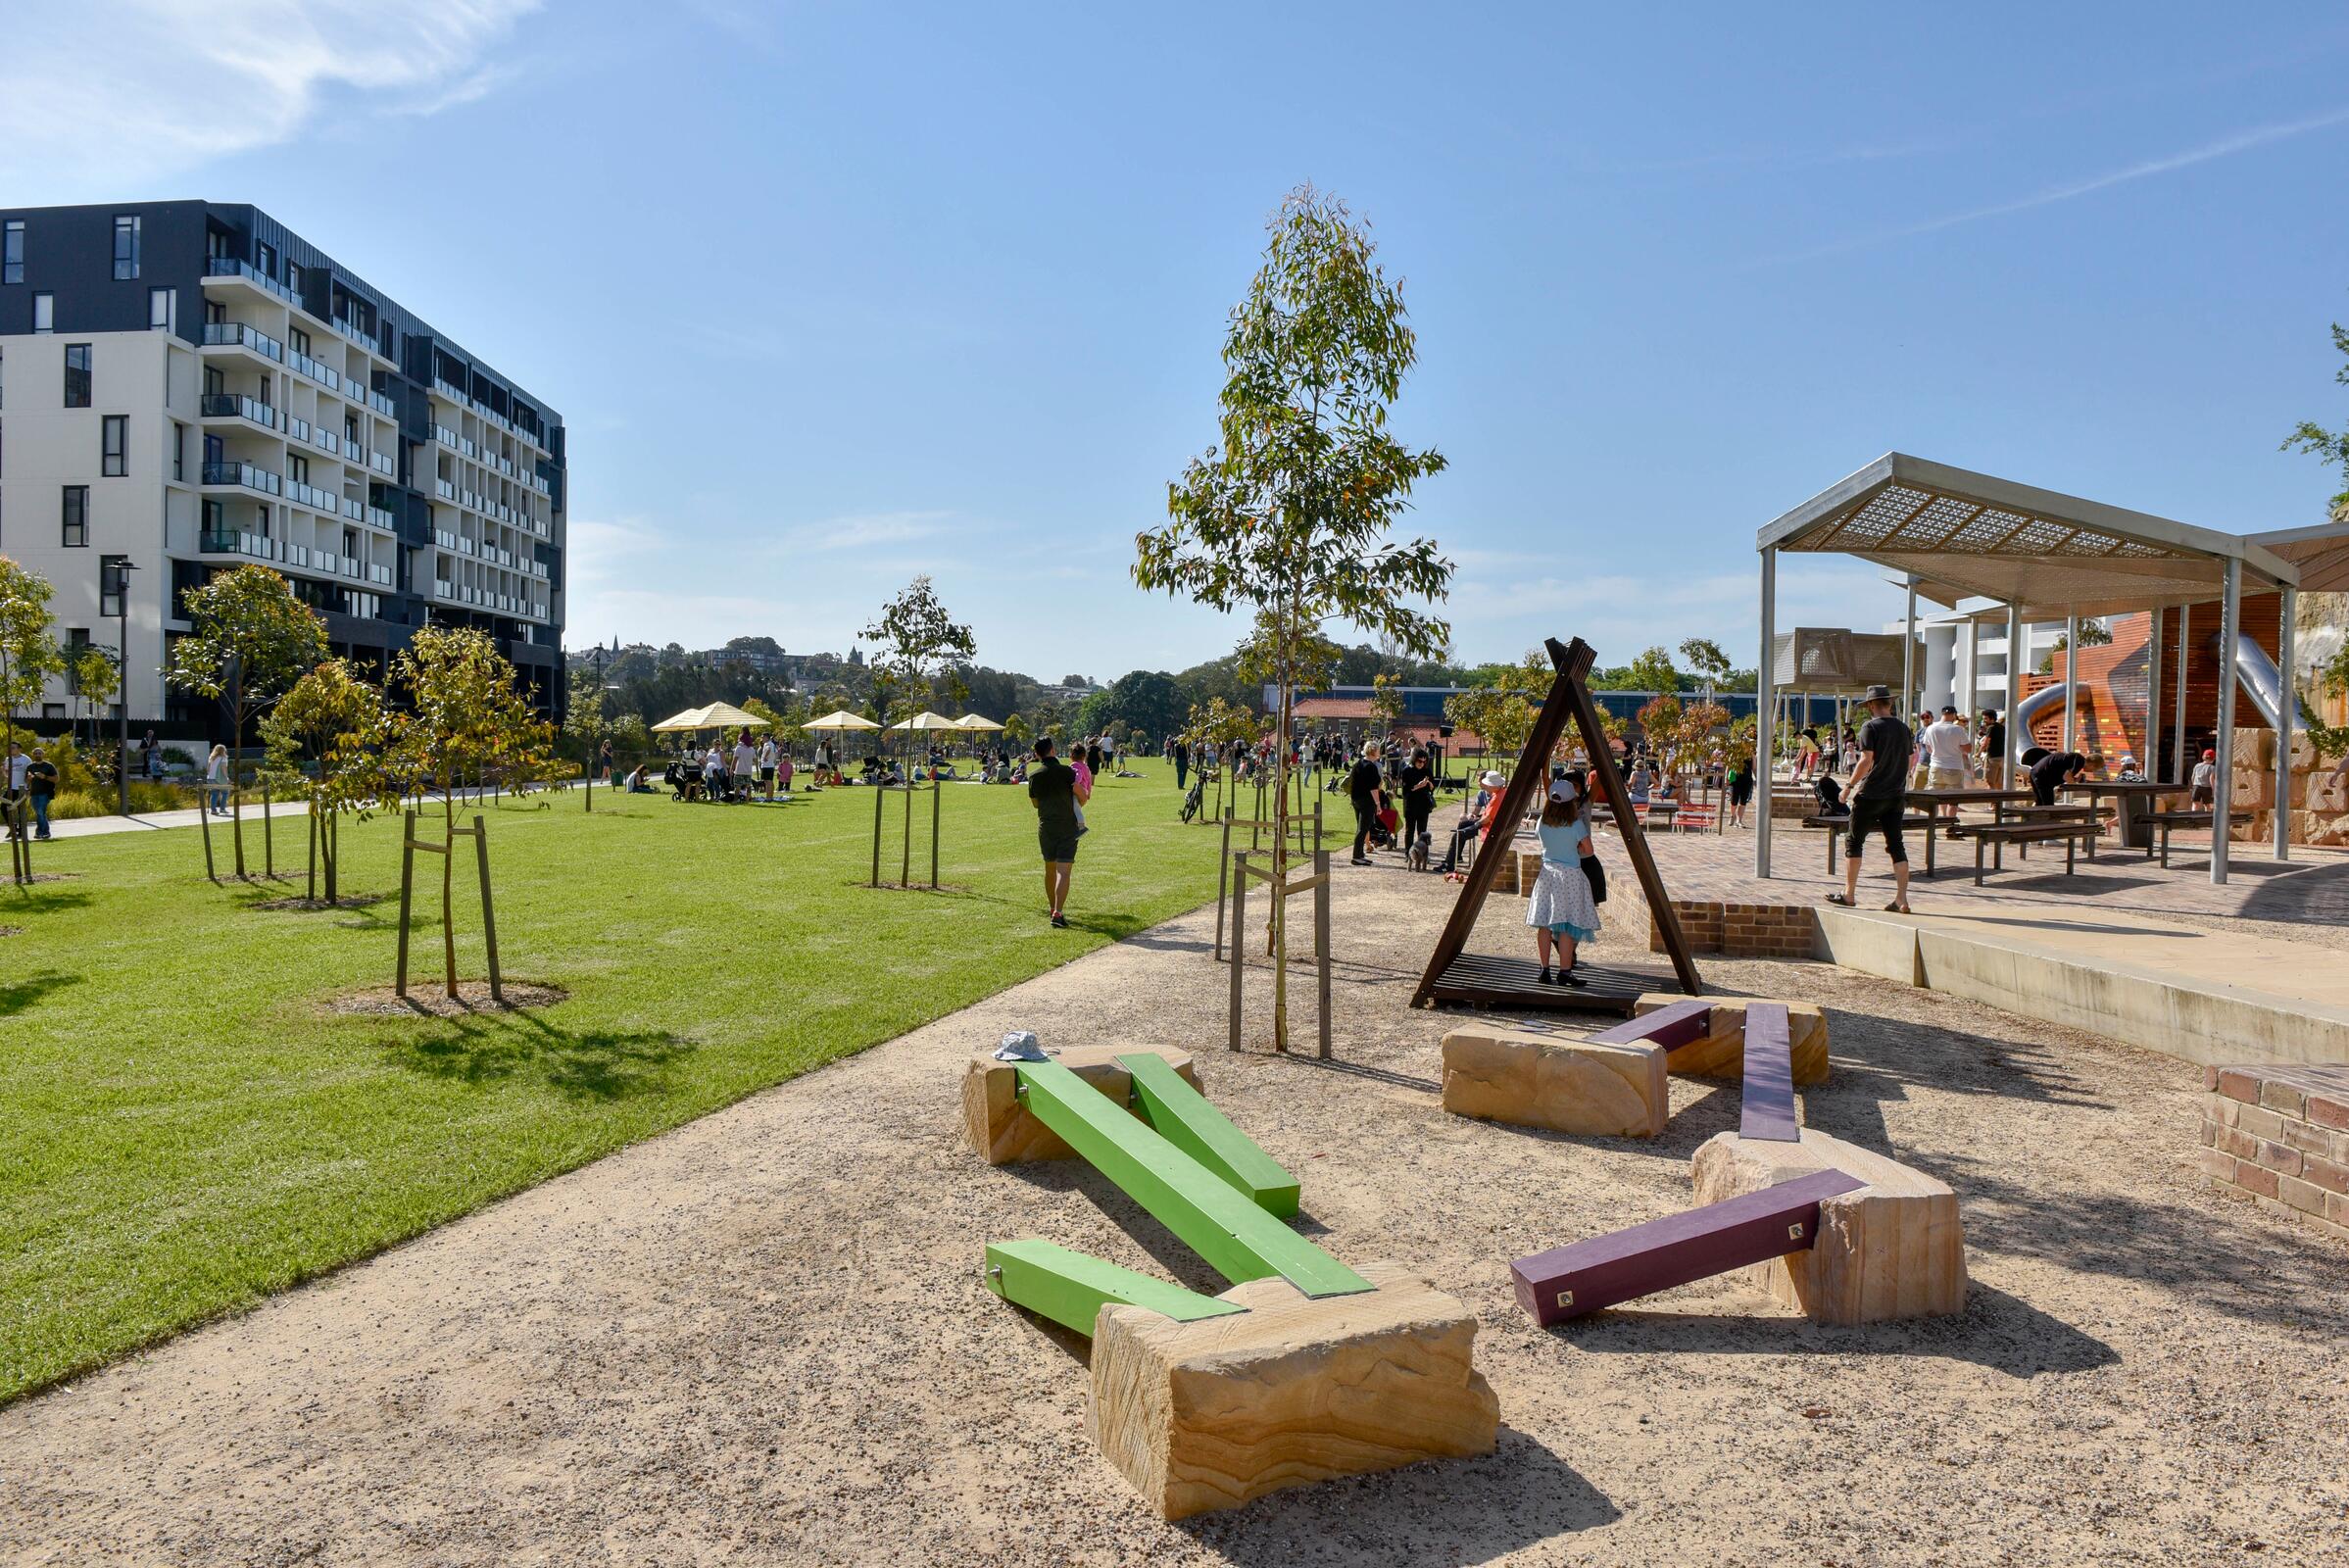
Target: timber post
x=268 y=843
x=1321 y=939
x=1239 y=954
x=407 y=882
x=879 y=796
x=489 y=914
x=935 y=788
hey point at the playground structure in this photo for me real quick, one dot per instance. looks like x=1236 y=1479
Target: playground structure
x=1840 y=1232
x=1304 y=1369
x=1455 y=975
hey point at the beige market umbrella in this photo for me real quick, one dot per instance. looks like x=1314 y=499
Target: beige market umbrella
x=840 y=719
x=975 y=722
x=925 y=719
x=725 y=715
x=691 y=718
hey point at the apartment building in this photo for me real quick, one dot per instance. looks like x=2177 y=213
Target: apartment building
x=1966 y=659
x=188 y=386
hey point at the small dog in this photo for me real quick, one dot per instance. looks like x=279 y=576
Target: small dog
x=1416 y=858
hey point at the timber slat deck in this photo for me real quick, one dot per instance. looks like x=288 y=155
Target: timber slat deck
x=1489 y=980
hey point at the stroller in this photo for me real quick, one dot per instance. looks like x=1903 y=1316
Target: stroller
x=1384 y=821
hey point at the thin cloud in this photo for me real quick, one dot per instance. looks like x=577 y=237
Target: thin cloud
x=2224 y=147
x=863 y=531
x=187 y=84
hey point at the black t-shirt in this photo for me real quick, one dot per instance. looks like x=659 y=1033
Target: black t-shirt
x=2053 y=768
x=40 y=777
x=1053 y=786
x=1364 y=782
x=1416 y=800
x=1891 y=744
x=1993 y=739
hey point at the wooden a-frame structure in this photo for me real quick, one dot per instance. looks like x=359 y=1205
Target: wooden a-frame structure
x=1482 y=980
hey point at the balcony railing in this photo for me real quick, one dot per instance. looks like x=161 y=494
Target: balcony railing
x=244 y=473
x=230 y=266
x=450 y=392
x=327 y=441
x=297 y=427
x=444 y=489
x=381 y=519
x=235 y=404
x=354 y=510
x=382 y=404
x=317 y=371
x=303 y=495
x=236 y=334
x=382 y=464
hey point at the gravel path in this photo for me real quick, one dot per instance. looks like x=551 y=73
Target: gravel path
x=762 y=1338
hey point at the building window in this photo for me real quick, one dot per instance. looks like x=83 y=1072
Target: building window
x=12 y=252
x=78 y=375
x=78 y=516
x=114 y=440
x=163 y=310
x=113 y=583
x=44 y=312
x=265 y=260
x=125 y=248
x=178 y=451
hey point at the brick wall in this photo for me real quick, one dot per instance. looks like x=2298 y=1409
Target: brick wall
x=1740 y=930
x=2279 y=1136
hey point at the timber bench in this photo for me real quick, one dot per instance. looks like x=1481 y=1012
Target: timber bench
x=2163 y=821
x=2071 y=834
x=1839 y=826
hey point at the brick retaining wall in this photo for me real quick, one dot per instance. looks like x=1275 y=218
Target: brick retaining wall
x=1740 y=930
x=2278 y=1135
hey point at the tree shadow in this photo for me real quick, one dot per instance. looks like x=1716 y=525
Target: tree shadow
x=1445 y=1513
x=20 y=996
x=594 y=1064
x=1997 y=1331
x=24 y=902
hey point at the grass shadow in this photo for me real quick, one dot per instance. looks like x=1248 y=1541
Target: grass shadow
x=21 y=901
x=20 y=996
x=592 y=1064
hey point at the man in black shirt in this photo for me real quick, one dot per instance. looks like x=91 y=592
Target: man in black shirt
x=1993 y=749
x=1362 y=787
x=2053 y=771
x=1052 y=791
x=1879 y=798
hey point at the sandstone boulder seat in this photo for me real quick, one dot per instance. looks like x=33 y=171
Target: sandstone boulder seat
x=1718 y=1048
x=2166 y=822
x=1303 y=1370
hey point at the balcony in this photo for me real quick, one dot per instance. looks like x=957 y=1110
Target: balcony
x=444 y=489
x=381 y=519
x=352 y=509
x=384 y=404
x=228 y=266
x=245 y=474
x=297 y=428
x=327 y=441
x=450 y=393
x=257 y=546
x=317 y=373
x=236 y=406
x=382 y=464
x=237 y=336
x=316 y=499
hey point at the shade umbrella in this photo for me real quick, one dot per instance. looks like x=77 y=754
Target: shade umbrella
x=839 y=721
x=976 y=721
x=925 y=719
x=725 y=715
x=691 y=718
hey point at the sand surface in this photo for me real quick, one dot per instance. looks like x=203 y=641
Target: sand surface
x=762 y=1338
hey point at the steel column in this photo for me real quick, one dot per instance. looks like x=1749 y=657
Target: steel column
x=2231 y=619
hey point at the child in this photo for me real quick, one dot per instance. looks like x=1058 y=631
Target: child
x=1076 y=761
x=2206 y=780
x=1561 y=911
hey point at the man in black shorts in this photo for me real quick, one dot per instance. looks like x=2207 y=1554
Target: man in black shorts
x=1052 y=791
x=1878 y=797
x=2054 y=770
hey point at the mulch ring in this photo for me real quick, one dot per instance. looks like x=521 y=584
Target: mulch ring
x=430 y=999
x=355 y=900
x=11 y=930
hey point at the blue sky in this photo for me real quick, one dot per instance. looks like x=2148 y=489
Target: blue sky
x=833 y=294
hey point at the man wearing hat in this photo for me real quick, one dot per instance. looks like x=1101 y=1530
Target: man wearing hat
x=1878 y=794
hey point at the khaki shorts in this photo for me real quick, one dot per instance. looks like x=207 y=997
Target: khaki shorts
x=1945 y=778
x=1993 y=773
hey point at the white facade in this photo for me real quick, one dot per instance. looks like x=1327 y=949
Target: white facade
x=1949 y=641
x=53 y=468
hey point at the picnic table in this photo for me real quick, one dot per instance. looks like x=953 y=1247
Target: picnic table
x=2135 y=798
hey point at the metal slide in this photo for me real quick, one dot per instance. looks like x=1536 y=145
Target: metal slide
x=2261 y=684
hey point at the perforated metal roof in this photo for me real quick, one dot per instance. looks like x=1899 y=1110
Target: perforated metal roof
x=1965 y=534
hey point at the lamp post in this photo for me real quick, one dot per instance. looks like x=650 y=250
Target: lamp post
x=113 y=575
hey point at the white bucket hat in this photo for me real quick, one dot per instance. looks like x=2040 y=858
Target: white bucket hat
x=1493 y=780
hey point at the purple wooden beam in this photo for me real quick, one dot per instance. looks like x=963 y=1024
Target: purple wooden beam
x=1605 y=1270
x=1769 y=1074
x=1671 y=1025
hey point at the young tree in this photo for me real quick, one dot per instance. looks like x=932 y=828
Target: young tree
x=29 y=655
x=330 y=731
x=96 y=677
x=252 y=640
x=1386 y=699
x=463 y=713
x=919 y=660
x=585 y=727
x=1712 y=666
x=1289 y=514
x=1501 y=707
x=2332 y=447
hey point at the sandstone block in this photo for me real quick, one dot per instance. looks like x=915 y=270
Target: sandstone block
x=2254 y=792
x=1556 y=1082
x=1721 y=1054
x=2254 y=748
x=997 y=1122
x=1895 y=1248
x=1214 y=1413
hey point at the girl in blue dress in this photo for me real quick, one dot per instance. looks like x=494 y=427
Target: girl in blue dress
x=1561 y=911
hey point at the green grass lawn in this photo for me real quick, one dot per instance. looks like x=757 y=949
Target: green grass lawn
x=183 y=1128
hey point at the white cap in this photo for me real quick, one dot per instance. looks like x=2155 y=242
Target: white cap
x=1492 y=780
x=1561 y=789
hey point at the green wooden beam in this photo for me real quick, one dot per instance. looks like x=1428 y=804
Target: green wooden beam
x=1070 y=1287
x=1239 y=1240
x=1207 y=1135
